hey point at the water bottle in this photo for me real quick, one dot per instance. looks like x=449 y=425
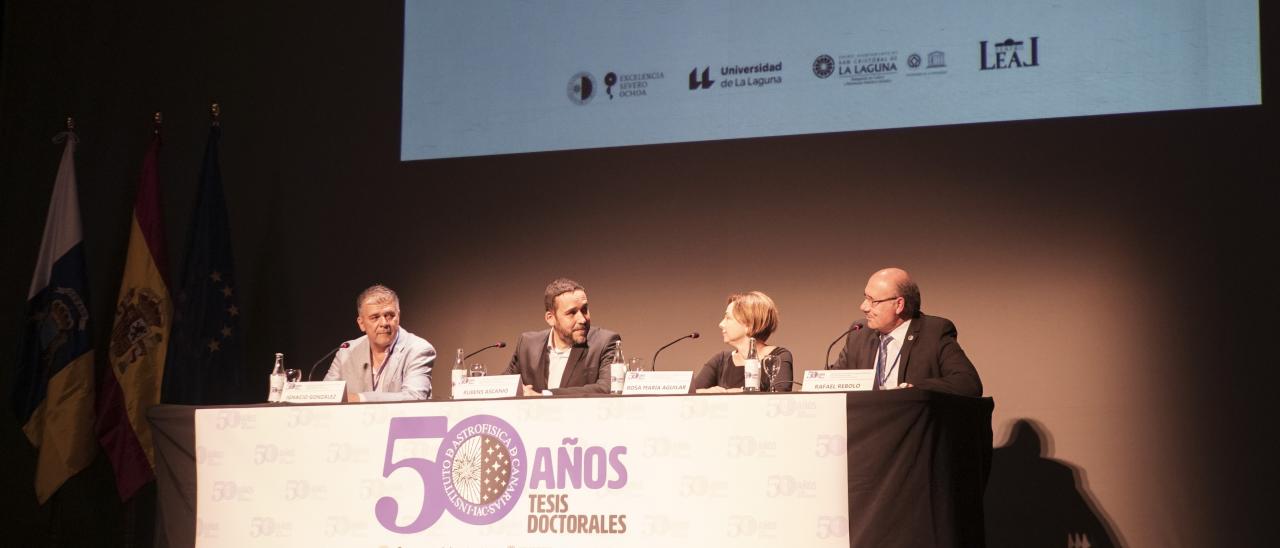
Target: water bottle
x=458 y=374
x=277 y=379
x=751 y=368
x=617 y=371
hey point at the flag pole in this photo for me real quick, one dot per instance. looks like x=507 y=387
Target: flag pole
x=70 y=133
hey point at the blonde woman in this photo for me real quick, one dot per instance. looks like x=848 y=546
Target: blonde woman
x=747 y=315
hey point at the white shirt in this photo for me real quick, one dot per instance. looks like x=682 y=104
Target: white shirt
x=893 y=356
x=556 y=361
x=375 y=373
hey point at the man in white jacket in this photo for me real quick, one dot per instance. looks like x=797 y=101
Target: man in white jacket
x=387 y=363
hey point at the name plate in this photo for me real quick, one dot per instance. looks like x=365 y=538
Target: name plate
x=657 y=382
x=490 y=386
x=314 y=392
x=838 y=380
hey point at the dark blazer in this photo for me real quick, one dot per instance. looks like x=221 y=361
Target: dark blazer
x=586 y=372
x=931 y=357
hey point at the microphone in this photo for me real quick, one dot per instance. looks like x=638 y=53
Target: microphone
x=653 y=364
x=499 y=344
x=325 y=357
x=856 y=326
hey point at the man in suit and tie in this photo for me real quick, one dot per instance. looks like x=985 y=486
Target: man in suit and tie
x=387 y=363
x=569 y=357
x=906 y=347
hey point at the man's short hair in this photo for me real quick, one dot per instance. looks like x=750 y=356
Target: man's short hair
x=756 y=311
x=379 y=293
x=910 y=299
x=556 y=288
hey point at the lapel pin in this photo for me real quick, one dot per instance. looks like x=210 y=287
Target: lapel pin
x=911 y=337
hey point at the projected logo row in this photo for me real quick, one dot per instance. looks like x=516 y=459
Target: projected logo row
x=852 y=69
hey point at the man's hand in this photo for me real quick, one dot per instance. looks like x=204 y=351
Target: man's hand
x=352 y=397
x=712 y=390
x=529 y=391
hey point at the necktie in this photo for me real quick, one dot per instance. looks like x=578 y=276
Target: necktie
x=880 y=362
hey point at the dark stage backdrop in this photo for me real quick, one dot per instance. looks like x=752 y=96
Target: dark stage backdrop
x=1111 y=277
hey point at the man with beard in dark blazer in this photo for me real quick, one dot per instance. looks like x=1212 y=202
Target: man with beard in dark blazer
x=569 y=357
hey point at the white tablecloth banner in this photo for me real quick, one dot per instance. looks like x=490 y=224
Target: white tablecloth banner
x=747 y=470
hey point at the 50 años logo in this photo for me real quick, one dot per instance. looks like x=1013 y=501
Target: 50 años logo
x=477 y=476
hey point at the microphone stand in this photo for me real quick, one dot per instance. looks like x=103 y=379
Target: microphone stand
x=499 y=344
x=653 y=364
x=855 y=327
x=312 y=372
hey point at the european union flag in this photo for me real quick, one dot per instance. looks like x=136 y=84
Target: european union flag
x=204 y=362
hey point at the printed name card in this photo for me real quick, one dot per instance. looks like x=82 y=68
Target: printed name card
x=314 y=392
x=838 y=380
x=492 y=386
x=657 y=382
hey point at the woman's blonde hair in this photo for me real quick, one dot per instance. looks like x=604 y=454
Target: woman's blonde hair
x=756 y=311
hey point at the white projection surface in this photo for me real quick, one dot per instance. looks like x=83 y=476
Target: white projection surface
x=507 y=76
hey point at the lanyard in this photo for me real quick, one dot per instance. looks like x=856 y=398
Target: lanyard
x=889 y=370
x=375 y=373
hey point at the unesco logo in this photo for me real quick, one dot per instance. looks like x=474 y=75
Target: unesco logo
x=582 y=87
x=477 y=476
x=824 y=66
x=930 y=64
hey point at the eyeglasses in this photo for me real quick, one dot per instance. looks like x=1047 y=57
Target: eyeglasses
x=868 y=299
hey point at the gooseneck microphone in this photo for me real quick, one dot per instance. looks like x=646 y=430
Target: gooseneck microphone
x=653 y=364
x=499 y=344
x=325 y=357
x=855 y=327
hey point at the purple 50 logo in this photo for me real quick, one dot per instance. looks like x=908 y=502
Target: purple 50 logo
x=478 y=474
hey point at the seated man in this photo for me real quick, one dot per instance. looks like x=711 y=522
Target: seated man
x=569 y=357
x=904 y=346
x=387 y=363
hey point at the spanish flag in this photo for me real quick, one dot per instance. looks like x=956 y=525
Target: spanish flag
x=139 y=340
x=53 y=390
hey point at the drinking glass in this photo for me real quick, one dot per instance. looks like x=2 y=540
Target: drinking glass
x=292 y=376
x=636 y=364
x=476 y=370
x=771 y=364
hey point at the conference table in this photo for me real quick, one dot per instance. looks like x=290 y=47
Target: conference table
x=884 y=468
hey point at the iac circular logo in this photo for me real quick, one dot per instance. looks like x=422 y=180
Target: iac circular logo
x=582 y=87
x=481 y=468
x=824 y=66
x=913 y=60
x=477 y=476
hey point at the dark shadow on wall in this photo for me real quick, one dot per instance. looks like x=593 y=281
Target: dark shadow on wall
x=1034 y=500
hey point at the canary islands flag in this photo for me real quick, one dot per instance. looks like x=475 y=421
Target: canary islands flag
x=53 y=391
